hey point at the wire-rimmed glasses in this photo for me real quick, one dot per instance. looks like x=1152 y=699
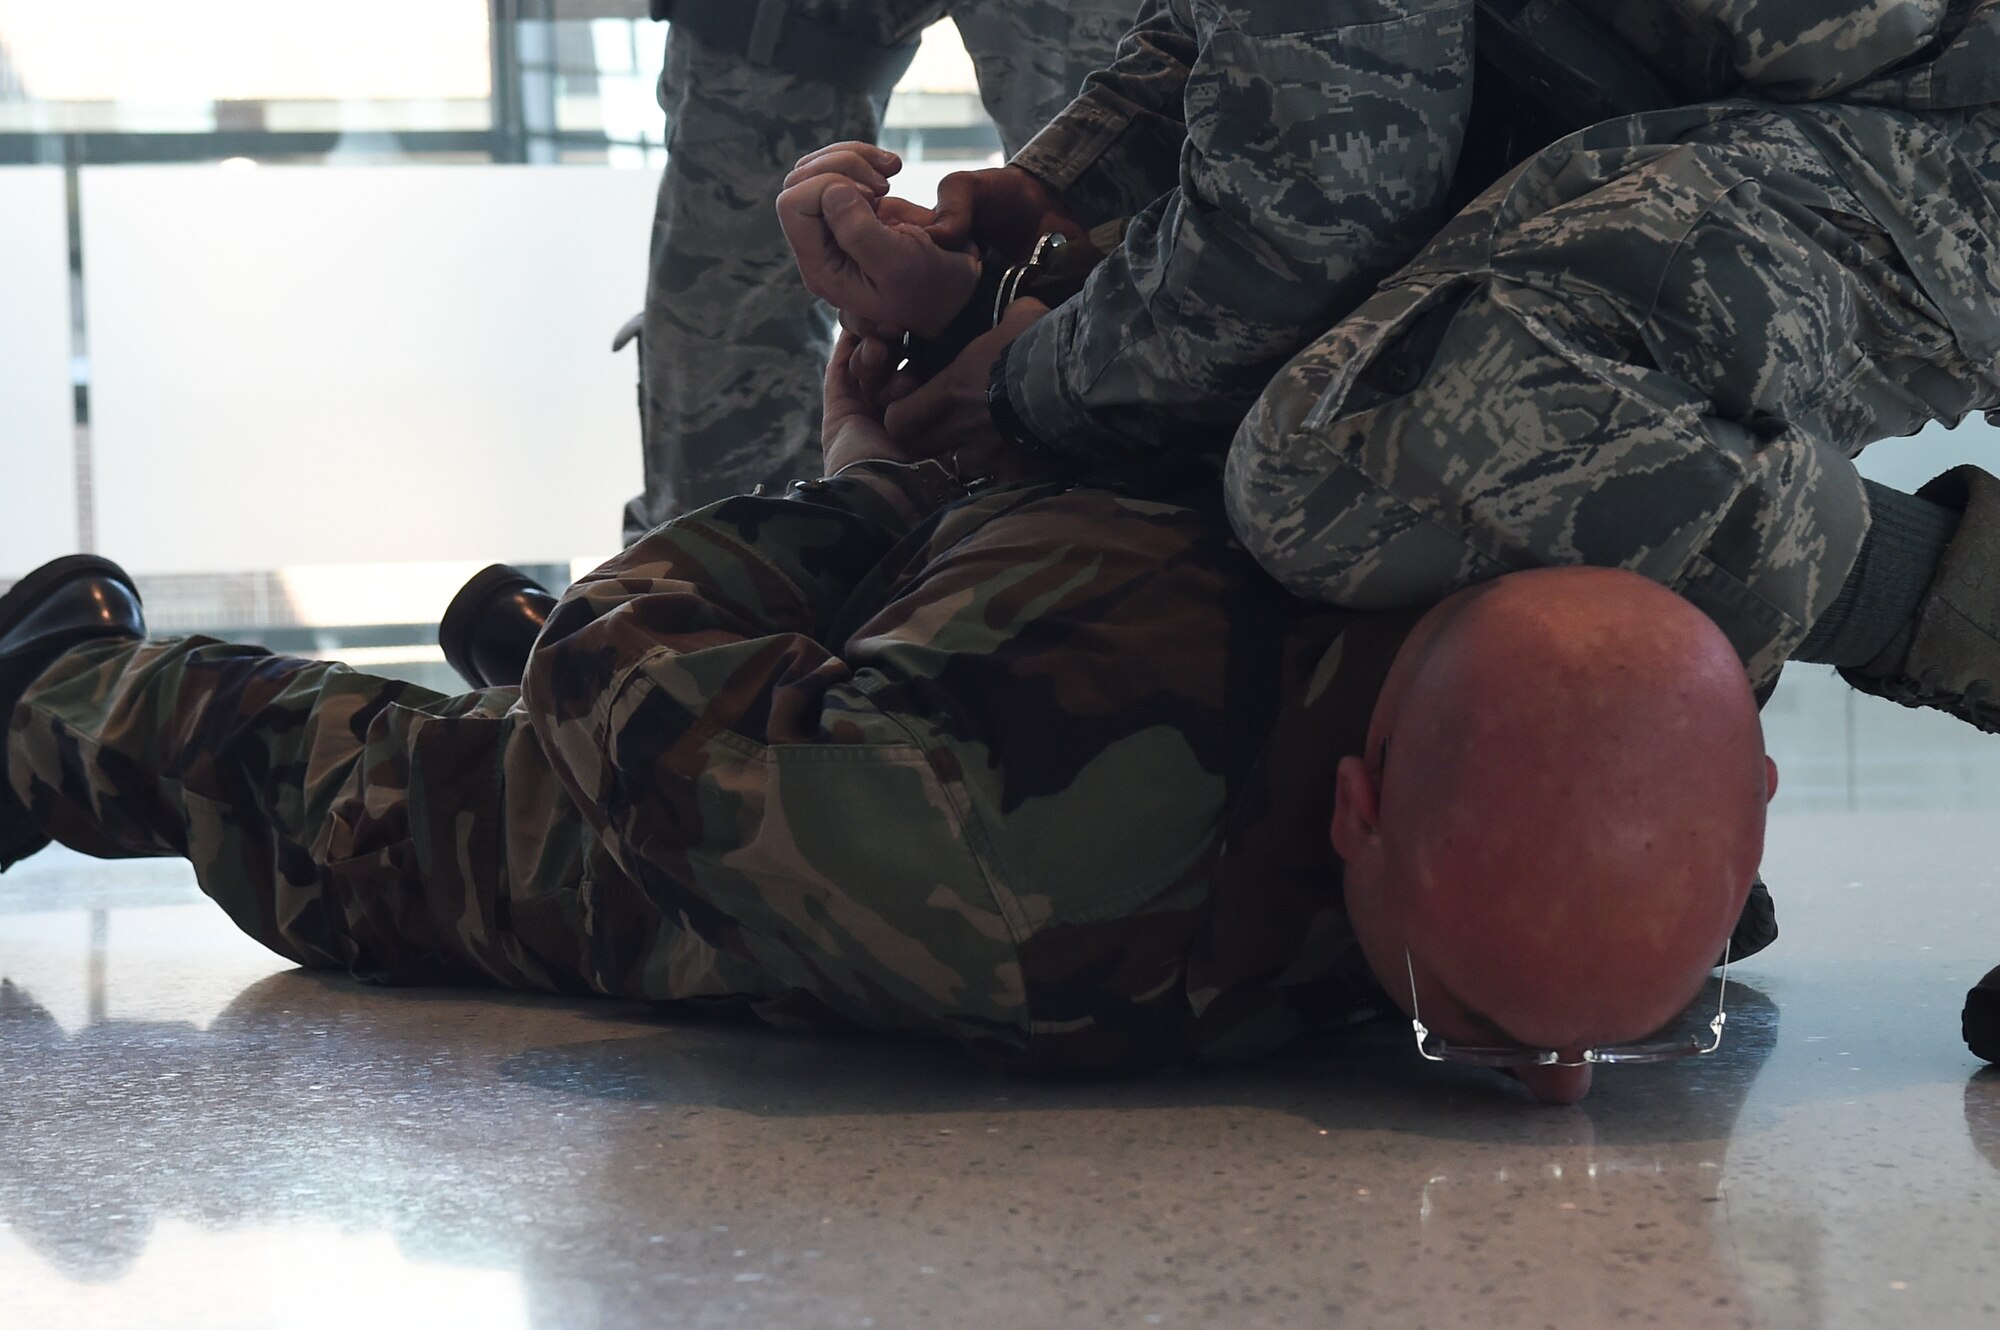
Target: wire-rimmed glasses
x=1435 y=1049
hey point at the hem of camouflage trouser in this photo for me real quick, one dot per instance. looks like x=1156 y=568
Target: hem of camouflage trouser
x=1764 y=635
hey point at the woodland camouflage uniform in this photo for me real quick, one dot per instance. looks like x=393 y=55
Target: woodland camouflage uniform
x=1048 y=772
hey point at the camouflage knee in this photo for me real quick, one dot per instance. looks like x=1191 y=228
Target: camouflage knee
x=1322 y=510
x=1457 y=430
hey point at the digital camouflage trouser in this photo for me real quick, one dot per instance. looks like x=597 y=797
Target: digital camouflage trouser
x=734 y=346
x=1655 y=345
x=343 y=820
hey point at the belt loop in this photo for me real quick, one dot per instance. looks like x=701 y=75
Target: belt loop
x=766 y=29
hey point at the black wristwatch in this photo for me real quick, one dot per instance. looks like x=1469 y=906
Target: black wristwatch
x=1005 y=418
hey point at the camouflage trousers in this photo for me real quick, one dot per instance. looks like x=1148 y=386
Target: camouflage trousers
x=346 y=821
x=734 y=347
x=1655 y=345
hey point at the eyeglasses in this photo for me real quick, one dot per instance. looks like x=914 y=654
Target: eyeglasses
x=1435 y=1049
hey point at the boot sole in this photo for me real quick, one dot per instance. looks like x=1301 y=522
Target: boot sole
x=1980 y=711
x=1980 y=1021
x=461 y=617
x=17 y=843
x=26 y=593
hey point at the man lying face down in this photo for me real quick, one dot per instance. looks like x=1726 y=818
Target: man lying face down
x=1556 y=817
x=1048 y=767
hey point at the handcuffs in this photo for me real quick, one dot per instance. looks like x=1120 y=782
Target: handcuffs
x=1056 y=269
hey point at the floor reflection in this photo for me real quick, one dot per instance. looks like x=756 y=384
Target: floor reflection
x=425 y=1142
x=194 y=1136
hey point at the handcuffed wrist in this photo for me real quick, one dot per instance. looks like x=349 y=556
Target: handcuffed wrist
x=927 y=356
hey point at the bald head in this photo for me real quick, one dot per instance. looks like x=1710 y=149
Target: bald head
x=1559 y=814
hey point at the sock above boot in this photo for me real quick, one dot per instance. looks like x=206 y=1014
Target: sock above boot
x=1899 y=556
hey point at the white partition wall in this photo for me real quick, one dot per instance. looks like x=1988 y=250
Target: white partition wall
x=37 y=440
x=361 y=365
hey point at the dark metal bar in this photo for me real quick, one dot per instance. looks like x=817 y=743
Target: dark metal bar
x=508 y=142
x=84 y=468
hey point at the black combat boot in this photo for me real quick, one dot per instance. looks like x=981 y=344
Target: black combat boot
x=492 y=623
x=44 y=614
x=1757 y=927
x=1980 y=1021
x=1949 y=656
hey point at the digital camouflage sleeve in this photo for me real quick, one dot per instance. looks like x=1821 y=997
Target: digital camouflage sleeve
x=1048 y=772
x=1117 y=146
x=1657 y=342
x=1915 y=54
x=1281 y=158
x=1284 y=157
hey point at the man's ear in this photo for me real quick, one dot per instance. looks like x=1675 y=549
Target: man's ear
x=1770 y=780
x=1356 y=809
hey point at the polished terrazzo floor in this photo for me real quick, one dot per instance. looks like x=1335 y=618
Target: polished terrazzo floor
x=192 y=1135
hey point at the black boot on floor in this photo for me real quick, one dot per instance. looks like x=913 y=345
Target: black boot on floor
x=492 y=623
x=1757 y=926
x=44 y=614
x=1980 y=1021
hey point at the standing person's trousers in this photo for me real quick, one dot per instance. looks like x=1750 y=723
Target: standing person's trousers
x=734 y=346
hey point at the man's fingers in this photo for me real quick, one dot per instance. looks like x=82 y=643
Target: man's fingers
x=897 y=388
x=886 y=161
x=871 y=363
x=821 y=261
x=844 y=392
x=903 y=211
x=957 y=198
x=917 y=414
x=861 y=326
x=845 y=348
x=808 y=197
x=852 y=165
x=857 y=230
x=880 y=160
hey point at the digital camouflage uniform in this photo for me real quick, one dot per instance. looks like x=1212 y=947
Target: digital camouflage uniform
x=1277 y=160
x=734 y=346
x=1049 y=773
x=1658 y=342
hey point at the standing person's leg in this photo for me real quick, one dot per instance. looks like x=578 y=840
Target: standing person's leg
x=342 y=820
x=1031 y=56
x=734 y=347
x=732 y=342
x=1655 y=345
